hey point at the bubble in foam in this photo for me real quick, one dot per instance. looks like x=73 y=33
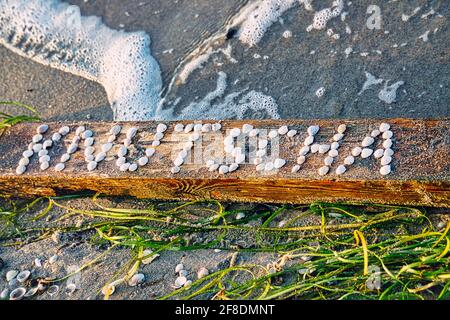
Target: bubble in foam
x=55 y=34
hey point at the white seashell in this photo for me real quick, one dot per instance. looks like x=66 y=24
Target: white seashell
x=246 y=128
x=161 y=127
x=223 y=169
x=235 y=132
x=388 y=152
x=273 y=134
x=44 y=165
x=187 y=284
x=198 y=127
x=236 y=151
x=37 y=147
x=213 y=167
x=149 y=152
x=31 y=292
x=23 y=276
x=24 y=162
x=260 y=167
x=335 y=145
x=178 y=161
x=291 y=133
x=11 y=274
x=367 y=141
x=206 y=127
x=308 y=141
x=38 y=263
x=60 y=167
x=30 y=146
x=131 y=132
x=80 y=130
x=107 y=146
x=133 y=167
x=27 y=153
x=45 y=158
x=109 y=289
x=178 y=127
x=295 y=168
x=194 y=136
x=261 y=153
x=53 y=259
x=324 y=170
x=47 y=144
x=143 y=161
x=92 y=165
x=384 y=127
x=87 y=134
x=378 y=153
x=89 y=157
x=385 y=170
x=64 y=130
x=338 y=136
x=328 y=161
x=76 y=140
x=120 y=161
x=112 y=138
x=56 y=137
x=283 y=130
x=387 y=134
x=301 y=160
x=125 y=166
x=37 y=138
x=240 y=158
x=175 y=170
x=188 y=128
x=324 y=148
x=385 y=160
x=4 y=294
x=253 y=133
x=127 y=142
x=228 y=141
x=180 y=281
x=312 y=130
x=342 y=128
x=304 y=151
x=42 y=128
x=387 y=143
x=216 y=126
x=150 y=256
x=349 y=160
x=262 y=143
x=179 y=267
x=21 y=169
x=72 y=148
x=333 y=153
x=240 y=215
x=278 y=163
x=52 y=290
x=233 y=167
x=136 y=279
x=70 y=288
x=366 y=152
x=203 y=272
x=43 y=153
x=159 y=136
x=122 y=151
x=183 y=273
x=100 y=157
x=17 y=294
x=315 y=147
x=356 y=151
x=115 y=130
x=375 y=133
x=209 y=163
x=65 y=157
x=268 y=166
x=340 y=169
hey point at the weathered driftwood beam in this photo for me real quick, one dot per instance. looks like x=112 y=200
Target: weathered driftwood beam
x=420 y=167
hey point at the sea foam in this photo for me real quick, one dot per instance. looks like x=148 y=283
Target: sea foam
x=55 y=34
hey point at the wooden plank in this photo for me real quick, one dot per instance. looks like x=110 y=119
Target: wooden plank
x=420 y=165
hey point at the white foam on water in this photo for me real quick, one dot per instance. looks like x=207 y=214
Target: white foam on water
x=55 y=34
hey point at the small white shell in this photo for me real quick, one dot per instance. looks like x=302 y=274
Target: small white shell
x=47 y=144
x=384 y=127
x=27 y=153
x=246 y=128
x=304 y=151
x=206 y=127
x=131 y=132
x=233 y=167
x=315 y=147
x=107 y=146
x=89 y=157
x=183 y=153
x=301 y=160
x=273 y=134
x=340 y=169
x=260 y=167
x=378 y=153
x=209 y=162
x=335 y=145
x=179 y=267
x=80 y=130
x=133 y=167
x=17 y=294
x=159 y=136
x=387 y=143
x=175 y=169
x=228 y=141
x=87 y=134
x=11 y=274
x=92 y=165
x=213 y=167
x=100 y=157
x=24 y=162
x=120 y=161
x=235 y=132
x=149 y=152
x=312 y=130
x=122 y=151
x=194 y=136
x=385 y=160
x=356 y=151
x=52 y=290
x=64 y=130
x=60 y=167
x=72 y=148
x=178 y=127
x=188 y=128
x=53 y=259
x=187 y=284
x=291 y=133
x=295 y=168
x=37 y=147
x=161 y=127
x=44 y=165
x=385 y=170
x=111 y=138
x=136 y=279
x=388 y=152
x=70 y=288
x=43 y=152
x=216 y=126
x=223 y=169
x=240 y=158
x=308 y=141
x=127 y=142
x=368 y=141
x=21 y=169
x=257 y=161
x=88 y=151
x=203 y=272
x=31 y=292
x=23 y=276
x=37 y=138
x=283 y=130
x=183 y=273
x=387 y=134
x=278 y=163
x=198 y=127
x=180 y=281
x=261 y=152
x=143 y=161
x=253 y=133
x=115 y=130
x=65 y=157
x=328 y=161
x=324 y=148
x=324 y=170
x=45 y=158
x=338 y=136
x=342 y=128
x=150 y=256
x=333 y=153
x=375 y=133
x=349 y=160
x=42 y=128
x=268 y=166
x=366 y=152
x=4 y=294
x=178 y=161
x=262 y=143
x=125 y=166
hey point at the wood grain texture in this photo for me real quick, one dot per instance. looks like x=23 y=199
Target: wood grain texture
x=420 y=176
